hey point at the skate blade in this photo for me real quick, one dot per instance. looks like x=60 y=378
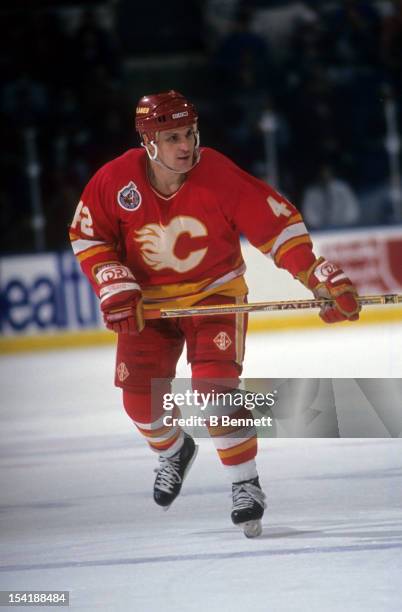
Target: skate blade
x=190 y=463
x=252 y=529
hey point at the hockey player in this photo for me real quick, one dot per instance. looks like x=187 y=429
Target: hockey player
x=160 y=225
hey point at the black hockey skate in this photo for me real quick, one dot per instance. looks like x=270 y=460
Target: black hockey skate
x=248 y=506
x=172 y=471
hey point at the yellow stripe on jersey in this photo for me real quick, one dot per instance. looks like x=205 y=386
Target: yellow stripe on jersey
x=160 y=292
x=80 y=245
x=234 y=288
x=290 y=244
x=94 y=251
x=267 y=246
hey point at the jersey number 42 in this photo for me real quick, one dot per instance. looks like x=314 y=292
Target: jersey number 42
x=83 y=218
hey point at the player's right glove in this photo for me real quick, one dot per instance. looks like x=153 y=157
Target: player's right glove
x=120 y=299
x=326 y=280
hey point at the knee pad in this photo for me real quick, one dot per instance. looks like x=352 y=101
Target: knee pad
x=138 y=406
x=216 y=369
x=206 y=376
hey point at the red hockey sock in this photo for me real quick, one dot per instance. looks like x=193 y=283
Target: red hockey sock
x=149 y=419
x=235 y=444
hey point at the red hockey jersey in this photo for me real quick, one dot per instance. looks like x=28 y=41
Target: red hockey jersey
x=186 y=246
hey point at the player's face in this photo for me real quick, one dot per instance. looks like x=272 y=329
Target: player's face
x=176 y=148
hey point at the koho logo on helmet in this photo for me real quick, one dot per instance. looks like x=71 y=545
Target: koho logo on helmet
x=179 y=115
x=142 y=110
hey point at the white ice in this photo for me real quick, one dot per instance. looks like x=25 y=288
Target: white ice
x=76 y=511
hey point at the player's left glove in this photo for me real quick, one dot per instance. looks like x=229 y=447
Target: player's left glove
x=326 y=280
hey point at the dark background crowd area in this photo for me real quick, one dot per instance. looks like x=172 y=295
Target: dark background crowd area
x=73 y=72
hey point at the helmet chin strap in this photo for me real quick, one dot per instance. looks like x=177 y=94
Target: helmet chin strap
x=154 y=156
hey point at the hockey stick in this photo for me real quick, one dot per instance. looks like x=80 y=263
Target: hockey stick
x=168 y=313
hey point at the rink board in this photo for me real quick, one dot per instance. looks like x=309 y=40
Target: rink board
x=47 y=302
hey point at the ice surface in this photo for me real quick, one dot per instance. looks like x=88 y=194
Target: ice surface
x=76 y=511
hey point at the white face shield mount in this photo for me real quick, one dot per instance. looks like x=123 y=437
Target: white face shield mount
x=154 y=156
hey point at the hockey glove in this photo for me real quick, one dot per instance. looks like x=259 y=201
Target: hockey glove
x=328 y=281
x=120 y=299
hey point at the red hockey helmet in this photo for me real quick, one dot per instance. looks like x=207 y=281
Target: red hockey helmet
x=163 y=111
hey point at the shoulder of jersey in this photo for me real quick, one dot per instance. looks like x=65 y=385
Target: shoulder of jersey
x=213 y=163
x=223 y=171
x=120 y=172
x=120 y=181
x=130 y=159
x=210 y=155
